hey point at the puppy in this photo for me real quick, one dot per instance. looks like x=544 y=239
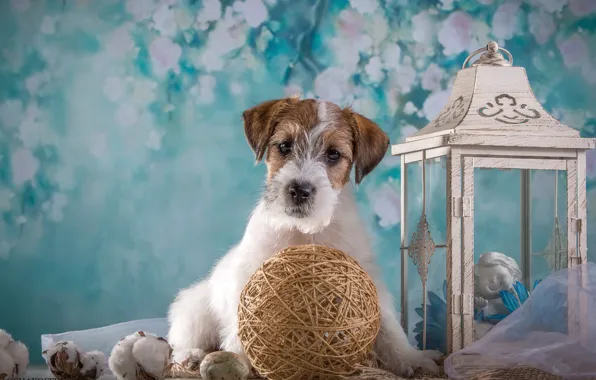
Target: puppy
x=310 y=148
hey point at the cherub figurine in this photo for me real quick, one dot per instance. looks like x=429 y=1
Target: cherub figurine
x=494 y=272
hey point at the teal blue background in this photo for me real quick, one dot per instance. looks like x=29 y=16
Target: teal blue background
x=124 y=173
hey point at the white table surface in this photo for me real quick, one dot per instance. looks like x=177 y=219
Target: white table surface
x=41 y=372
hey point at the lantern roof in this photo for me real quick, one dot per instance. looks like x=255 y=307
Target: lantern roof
x=492 y=104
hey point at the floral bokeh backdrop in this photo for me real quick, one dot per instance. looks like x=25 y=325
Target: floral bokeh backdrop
x=124 y=174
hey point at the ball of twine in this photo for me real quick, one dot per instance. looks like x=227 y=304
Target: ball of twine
x=308 y=312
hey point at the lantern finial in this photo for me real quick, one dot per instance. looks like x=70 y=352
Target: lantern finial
x=492 y=57
x=492 y=47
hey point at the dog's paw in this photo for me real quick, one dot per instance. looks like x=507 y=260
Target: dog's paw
x=414 y=360
x=14 y=356
x=67 y=361
x=435 y=356
x=140 y=356
x=185 y=363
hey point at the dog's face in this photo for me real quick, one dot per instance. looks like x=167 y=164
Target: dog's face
x=310 y=148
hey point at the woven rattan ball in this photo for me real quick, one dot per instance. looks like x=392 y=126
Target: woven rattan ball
x=309 y=312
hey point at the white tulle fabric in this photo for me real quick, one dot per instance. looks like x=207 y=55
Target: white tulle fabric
x=538 y=334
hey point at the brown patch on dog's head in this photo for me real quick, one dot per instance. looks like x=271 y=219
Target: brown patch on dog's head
x=260 y=121
x=296 y=130
x=371 y=144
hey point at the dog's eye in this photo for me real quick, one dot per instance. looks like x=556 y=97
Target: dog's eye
x=333 y=155
x=285 y=148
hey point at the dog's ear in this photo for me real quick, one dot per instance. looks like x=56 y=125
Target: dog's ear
x=370 y=144
x=259 y=124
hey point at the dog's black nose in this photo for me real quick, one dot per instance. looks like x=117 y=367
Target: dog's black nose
x=300 y=192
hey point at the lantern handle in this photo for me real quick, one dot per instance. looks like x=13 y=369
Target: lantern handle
x=491 y=57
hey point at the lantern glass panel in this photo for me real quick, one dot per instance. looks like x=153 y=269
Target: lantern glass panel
x=519 y=237
x=549 y=222
x=420 y=238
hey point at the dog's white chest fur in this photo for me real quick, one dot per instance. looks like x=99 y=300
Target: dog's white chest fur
x=262 y=240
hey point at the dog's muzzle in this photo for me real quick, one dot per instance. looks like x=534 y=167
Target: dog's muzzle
x=300 y=192
x=299 y=197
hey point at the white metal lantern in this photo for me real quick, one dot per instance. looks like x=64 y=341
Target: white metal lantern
x=492 y=131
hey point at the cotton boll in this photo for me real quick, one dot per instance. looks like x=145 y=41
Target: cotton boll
x=67 y=361
x=64 y=359
x=91 y=357
x=93 y=365
x=5 y=338
x=14 y=356
x=7 y=365
x=152 y=355
x=20 y=354
x=121 y=362
x=69 y=350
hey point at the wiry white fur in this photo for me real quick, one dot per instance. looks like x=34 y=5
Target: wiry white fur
x=323 y=111
x=14 y=356
x=205 y=314
x=324 y=200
